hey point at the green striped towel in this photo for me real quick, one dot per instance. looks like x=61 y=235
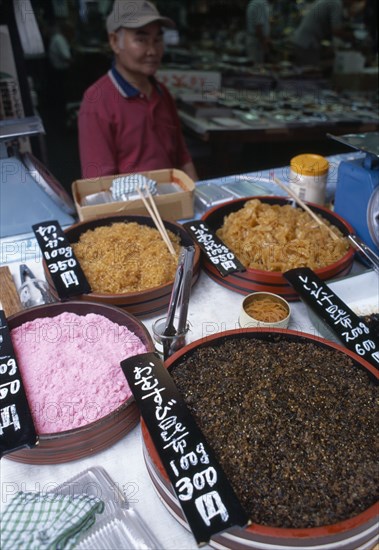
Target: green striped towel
x=47 y=521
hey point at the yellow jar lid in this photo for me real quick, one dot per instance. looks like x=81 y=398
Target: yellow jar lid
x=309 y=165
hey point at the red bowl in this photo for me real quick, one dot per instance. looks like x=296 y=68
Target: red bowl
x=144 y=302
x=253 y=280
x=359 y=531
x=95 y=436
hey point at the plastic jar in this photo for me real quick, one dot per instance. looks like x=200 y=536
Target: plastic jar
x=308 y=177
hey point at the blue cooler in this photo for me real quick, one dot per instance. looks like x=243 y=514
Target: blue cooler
x=357 y=191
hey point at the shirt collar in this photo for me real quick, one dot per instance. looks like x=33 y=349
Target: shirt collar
x=124 y=87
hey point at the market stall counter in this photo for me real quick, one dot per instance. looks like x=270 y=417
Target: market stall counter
x=213 y=309
x=280 y=116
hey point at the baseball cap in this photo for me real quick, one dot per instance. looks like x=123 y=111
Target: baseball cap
x=133 y=14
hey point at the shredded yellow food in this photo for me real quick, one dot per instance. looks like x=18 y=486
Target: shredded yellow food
x=267 y=310
x=126 y=257
x=278 y=238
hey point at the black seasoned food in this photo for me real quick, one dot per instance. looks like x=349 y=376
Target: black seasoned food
x=294 y=425
x=372 y=321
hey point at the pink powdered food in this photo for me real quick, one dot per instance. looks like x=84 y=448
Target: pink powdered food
x=70 y=366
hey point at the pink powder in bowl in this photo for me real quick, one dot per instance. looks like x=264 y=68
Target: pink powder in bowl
x=70 y=366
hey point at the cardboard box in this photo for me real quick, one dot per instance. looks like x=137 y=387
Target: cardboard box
x=172 y=206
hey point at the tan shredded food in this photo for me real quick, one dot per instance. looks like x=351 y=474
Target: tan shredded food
x=266 y=310
x=278 y=238
x=125 y=257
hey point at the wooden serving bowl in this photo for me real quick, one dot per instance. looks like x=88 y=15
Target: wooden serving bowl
x=253 y=280
x=144 y=302
x=359 y=531
x=54 y=448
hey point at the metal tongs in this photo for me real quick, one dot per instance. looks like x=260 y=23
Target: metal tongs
x=179 y=301
x=371 y=257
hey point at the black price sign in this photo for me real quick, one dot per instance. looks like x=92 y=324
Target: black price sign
x=16 y=423
x=66 y=273
x=218 y=253
x=206 y=497
x=348 y=327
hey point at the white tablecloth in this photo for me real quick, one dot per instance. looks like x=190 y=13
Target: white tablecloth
x=213 y=308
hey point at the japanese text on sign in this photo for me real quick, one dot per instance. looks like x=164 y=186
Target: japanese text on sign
x=174 y=434
x=218 y=253
x=53 y=252
x=67 y=275
x=16 y=425
x=207 y=499
x=351 y=329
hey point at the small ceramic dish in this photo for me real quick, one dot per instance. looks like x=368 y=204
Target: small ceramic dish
x=264 y=309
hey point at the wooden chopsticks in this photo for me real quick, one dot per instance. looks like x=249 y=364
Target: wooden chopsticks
x=297 y=199
x=154 y=213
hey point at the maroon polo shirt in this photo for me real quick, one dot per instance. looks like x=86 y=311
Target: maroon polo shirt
x=123 y=131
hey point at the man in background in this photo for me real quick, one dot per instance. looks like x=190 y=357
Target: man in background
x=128 y=121
x=323 y=21
x=258 y=30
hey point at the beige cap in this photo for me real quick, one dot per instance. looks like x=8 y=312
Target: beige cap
x=133 y=14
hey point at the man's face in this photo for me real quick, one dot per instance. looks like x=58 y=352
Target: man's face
x=139 y=51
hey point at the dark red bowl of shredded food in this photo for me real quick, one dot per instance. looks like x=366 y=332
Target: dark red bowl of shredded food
x=270 y=236
x=127 y=263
